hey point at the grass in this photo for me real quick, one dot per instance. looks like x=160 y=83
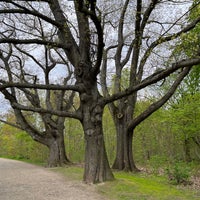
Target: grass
x=34 y=162
x=129 y=186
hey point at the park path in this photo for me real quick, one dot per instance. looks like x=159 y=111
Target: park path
x=23 y=181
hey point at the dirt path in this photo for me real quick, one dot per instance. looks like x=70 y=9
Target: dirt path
x=22 y=181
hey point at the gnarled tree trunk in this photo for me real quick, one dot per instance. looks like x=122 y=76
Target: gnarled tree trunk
x=124 y=150
x=52 y=137
x=97 y=168
x=120 y=147
x=57 y=154
x=122 y=116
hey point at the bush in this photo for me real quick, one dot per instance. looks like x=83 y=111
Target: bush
x=157 y=163
x=178 y=174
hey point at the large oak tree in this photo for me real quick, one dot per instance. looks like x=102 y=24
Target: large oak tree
x=43 y=127
x=144 y=32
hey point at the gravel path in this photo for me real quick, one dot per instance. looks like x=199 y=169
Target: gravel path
x=22 y=181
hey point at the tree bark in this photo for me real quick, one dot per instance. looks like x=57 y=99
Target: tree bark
x=57 y=154
x=124 y=159
x=119 y=163
x=97 y=167
x=129 y=161
x=122 y=116
x=124 y=150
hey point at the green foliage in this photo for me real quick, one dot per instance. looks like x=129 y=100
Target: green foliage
x=162 y=137
x=152 y=142
x=156 y=163
x=125 y=78
x=191 y=82
x=189 y=43
x=109 y=135
x=15 y=143
x=121 y=81
x=179 y=173
x=158 y=141
x=184 y=117
x=74 y=140
x=187 y=106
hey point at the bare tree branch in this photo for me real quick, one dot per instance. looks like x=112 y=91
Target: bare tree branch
x=11 y=124
x=5 y=85
x=156 y=105
x=153 y=79
x=46 y=111
x=24 y=10
x=34 y=41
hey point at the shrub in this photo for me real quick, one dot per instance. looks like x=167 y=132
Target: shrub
x=178 y=174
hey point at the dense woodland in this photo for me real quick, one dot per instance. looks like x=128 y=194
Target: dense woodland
x=110 y=86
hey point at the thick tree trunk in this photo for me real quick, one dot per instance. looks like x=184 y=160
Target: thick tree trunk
x=97 y=168
x=57 y=153
x=122 y=116
x=119 y=163
x=124 y=152
x=129 y=158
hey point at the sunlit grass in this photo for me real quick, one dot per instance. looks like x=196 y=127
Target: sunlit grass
x=128 y=186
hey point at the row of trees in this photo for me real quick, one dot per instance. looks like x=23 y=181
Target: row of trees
x=158 y=141
x=89 y=40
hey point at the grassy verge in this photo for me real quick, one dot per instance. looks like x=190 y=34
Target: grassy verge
x=128 y=186
x=34 y=162
x=145 y=187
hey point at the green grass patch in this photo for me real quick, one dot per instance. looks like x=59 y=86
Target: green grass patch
x=129 y=186
x=34 y=162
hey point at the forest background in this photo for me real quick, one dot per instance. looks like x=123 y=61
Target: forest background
x=159 y=139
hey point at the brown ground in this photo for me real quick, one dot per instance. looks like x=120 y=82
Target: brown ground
x=22 y=181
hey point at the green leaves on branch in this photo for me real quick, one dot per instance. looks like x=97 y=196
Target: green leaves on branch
x=189 y=44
